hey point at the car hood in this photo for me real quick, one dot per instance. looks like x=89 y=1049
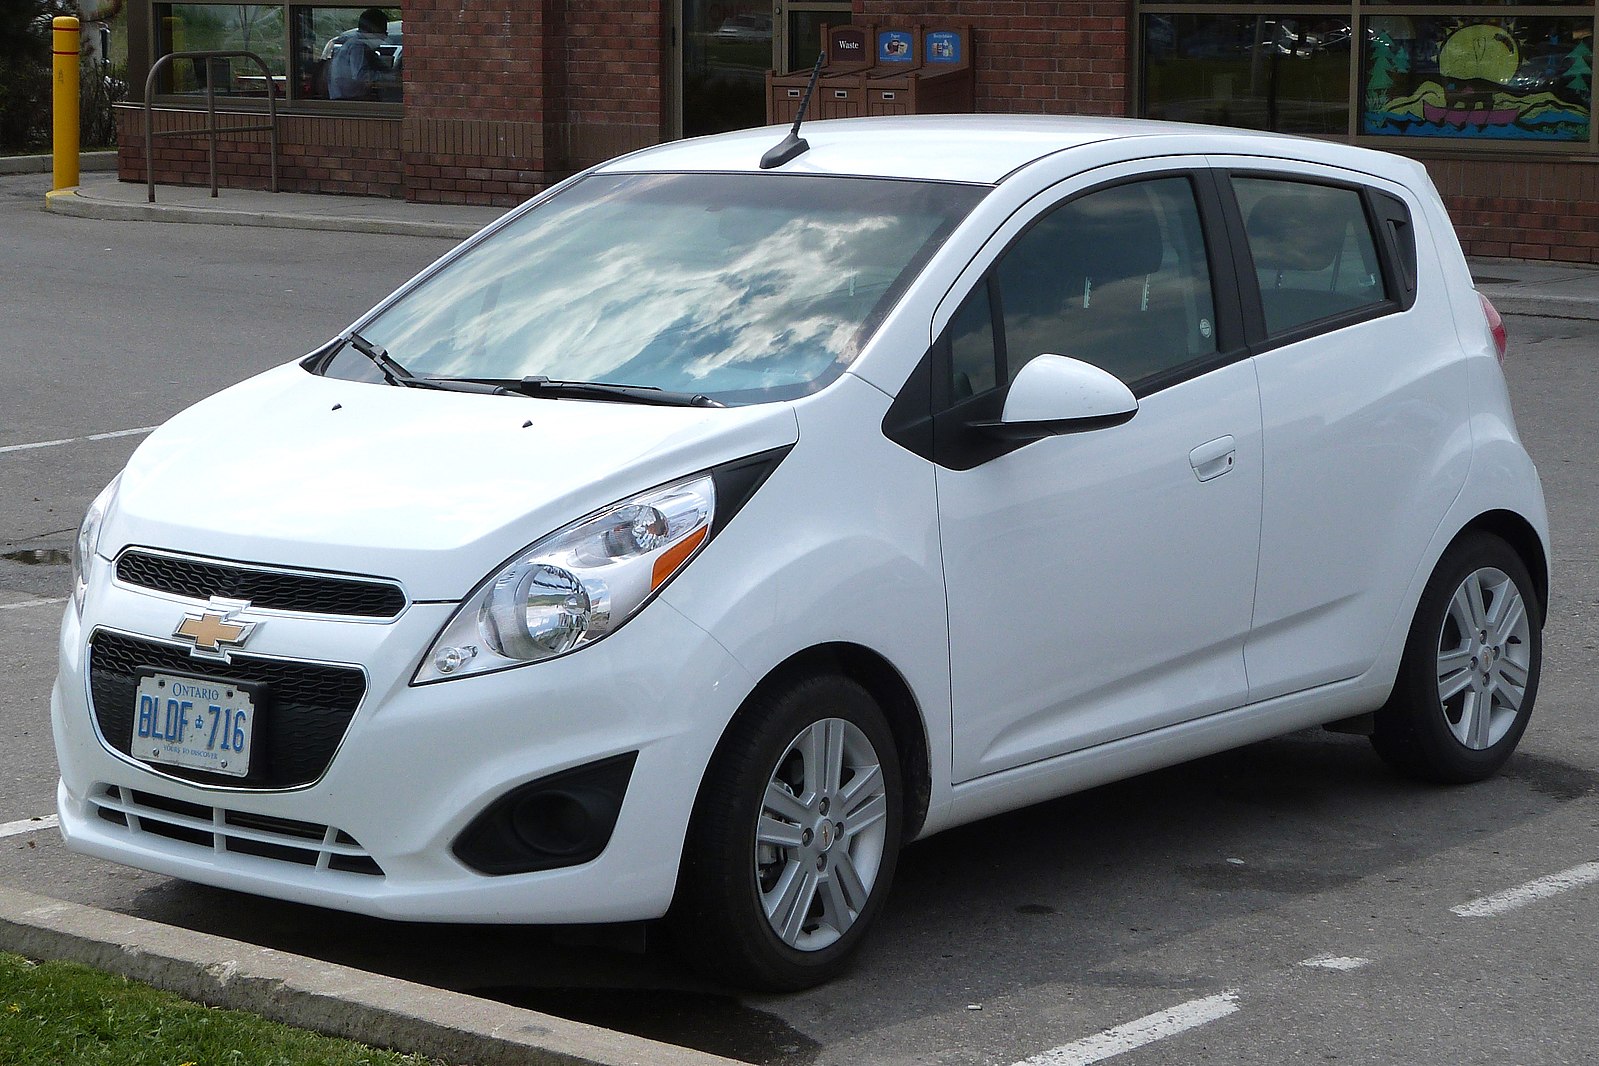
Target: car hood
x=434 y=489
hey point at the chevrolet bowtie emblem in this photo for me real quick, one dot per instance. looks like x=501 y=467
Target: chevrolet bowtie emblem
x=213 y=633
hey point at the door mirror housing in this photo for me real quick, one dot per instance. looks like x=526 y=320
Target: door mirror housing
x=1055 y=394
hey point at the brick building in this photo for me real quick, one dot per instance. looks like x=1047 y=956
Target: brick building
x=491 y=101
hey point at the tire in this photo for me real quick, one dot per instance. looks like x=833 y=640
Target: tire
x=822 y=877
x=1469 y=675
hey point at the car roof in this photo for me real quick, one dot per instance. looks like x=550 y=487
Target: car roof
x=968 y=148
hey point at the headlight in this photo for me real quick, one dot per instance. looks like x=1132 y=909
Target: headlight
x=576 y=585
x=88 y=542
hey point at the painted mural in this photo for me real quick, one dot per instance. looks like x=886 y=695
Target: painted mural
x=1496 y=79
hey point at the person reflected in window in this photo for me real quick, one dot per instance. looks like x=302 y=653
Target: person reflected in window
x=356 y=67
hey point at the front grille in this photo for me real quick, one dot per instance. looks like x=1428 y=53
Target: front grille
x=239 y=832
x=279 y=590
x=301 y=718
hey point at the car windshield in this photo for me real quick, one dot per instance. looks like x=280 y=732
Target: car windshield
x=742 y=287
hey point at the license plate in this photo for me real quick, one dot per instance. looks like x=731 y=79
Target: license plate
x=194 y=723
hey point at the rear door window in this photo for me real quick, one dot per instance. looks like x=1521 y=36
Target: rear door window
x=1312 y=249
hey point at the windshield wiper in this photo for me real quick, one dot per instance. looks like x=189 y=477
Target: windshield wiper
x=395 y=374
x=593 y=390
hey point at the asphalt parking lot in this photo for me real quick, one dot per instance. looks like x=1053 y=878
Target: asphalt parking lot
x=1291 y=900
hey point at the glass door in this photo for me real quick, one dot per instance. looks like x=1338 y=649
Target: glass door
x=722 y=49
x=725 y=48
x=801 y=22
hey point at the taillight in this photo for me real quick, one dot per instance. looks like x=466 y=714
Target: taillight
x=1496 y=326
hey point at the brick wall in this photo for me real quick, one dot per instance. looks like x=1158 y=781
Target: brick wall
x=615 y=92
x=504 y=97
x=354 y=156
x=477 y=99
x=1063 y=58
x=1523 y=208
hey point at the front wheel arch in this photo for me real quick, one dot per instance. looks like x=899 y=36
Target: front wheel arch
x=779 y=798
x=884 y=683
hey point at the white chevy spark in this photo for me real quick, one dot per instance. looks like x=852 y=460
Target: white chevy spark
x=701 y=532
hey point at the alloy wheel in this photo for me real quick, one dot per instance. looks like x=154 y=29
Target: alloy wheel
x=820 y=837
x=1484 y=658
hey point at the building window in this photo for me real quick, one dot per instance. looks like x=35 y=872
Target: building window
x=1288 y=73
x=1498 y=78
x=1466 y=74
x=351 y=55
x=337 y=57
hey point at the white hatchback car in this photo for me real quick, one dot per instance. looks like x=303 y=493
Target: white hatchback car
x=699 y=533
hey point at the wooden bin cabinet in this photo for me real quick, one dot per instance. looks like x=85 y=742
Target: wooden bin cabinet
x=907 y=72
x=944 y=83
x=888 y=82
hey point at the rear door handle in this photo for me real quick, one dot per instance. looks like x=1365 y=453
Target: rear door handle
x=1213 y=458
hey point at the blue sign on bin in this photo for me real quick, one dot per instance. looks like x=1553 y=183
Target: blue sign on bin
x=894 y=46
x=943 y=47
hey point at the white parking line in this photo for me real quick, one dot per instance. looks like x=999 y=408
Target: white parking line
x=28 y=825
x=1531 y=892
x=76 y=440
x=1341 y=963
x=33 y=603
x=1133 y=1035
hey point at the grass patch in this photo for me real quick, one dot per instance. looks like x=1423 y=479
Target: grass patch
x=67 y=1014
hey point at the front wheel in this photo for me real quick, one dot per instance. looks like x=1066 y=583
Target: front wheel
x=1470 y=670
x=794 y=838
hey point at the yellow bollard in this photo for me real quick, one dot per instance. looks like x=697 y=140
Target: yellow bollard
x=65 y=100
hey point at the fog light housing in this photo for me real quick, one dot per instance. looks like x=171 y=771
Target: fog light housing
x=565 y=819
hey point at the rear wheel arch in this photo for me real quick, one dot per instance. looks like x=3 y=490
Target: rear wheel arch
x=1517 y=532
x=1448 y=720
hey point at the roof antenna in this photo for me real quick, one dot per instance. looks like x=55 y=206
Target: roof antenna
x=794 y=145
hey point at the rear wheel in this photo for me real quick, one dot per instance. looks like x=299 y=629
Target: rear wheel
x=794 y=839
x=1469 y=676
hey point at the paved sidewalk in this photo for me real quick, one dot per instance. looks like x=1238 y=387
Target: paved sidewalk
x=1516 y=287
x=44 y=164
x=1548 y=290
x=103 y=196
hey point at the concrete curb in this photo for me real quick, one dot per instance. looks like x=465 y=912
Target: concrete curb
x=88 y=162
x=338 y=1000
x=70 y=202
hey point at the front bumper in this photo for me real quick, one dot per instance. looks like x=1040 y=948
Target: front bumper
x=373 y=834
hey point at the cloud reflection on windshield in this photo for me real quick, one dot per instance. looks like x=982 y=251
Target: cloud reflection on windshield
x=690 y=282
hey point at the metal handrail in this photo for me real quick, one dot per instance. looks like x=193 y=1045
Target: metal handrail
x=211 y=128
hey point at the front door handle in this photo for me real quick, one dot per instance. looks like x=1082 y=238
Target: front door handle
x=1213 y=458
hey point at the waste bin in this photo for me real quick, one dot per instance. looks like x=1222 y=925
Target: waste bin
x=840 y=92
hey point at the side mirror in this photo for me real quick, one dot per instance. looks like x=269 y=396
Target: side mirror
x=1054 y=394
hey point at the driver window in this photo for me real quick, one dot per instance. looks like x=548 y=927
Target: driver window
x=1117 y=278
